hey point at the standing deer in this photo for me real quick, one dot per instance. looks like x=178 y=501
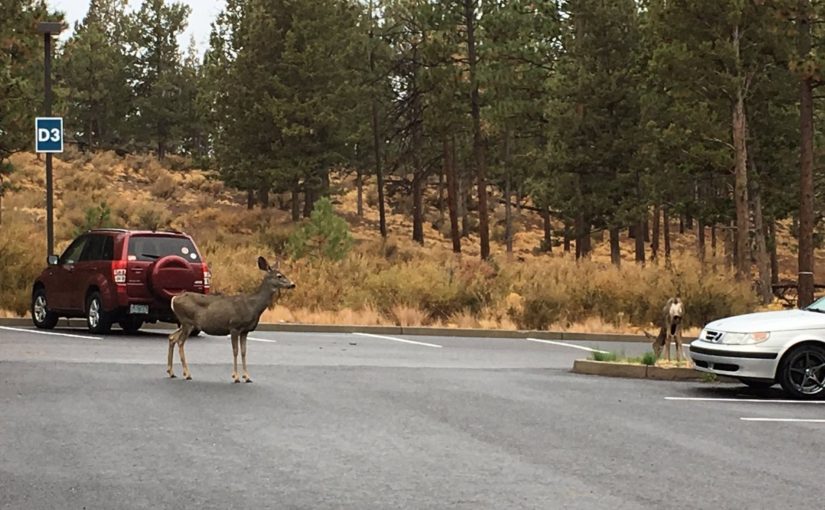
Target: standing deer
x=671 y=329
x=224 y=315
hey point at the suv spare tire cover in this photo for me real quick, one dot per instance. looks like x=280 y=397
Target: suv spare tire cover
x=170 y=276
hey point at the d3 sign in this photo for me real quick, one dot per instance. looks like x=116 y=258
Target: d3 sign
x=49 y=134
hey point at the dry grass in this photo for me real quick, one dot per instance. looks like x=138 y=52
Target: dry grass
x=381 y=282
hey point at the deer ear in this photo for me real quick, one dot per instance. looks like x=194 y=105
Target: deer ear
x=263 y=265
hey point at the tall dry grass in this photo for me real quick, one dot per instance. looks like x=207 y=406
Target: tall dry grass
x=380 y=281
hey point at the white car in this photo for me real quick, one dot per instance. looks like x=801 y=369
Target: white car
x=762 y=349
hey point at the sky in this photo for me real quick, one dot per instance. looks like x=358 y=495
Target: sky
x=203 y=14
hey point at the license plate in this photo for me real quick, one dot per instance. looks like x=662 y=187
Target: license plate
x=139 y=309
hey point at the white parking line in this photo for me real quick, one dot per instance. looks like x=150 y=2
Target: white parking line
x=398 y=340
x=266 y=340
x=53 y=333
x=746 y=400
x=563 y=344
x=784 y=420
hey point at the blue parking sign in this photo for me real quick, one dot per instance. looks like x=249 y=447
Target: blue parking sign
x=48 y=134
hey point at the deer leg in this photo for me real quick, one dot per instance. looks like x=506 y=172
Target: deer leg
x=235 y=339
x=169 y=369
x=186 y=374
x=246 y=377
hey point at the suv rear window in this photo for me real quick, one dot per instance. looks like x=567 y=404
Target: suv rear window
x=149 y=248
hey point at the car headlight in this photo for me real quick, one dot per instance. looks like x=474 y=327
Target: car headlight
x=745 y=338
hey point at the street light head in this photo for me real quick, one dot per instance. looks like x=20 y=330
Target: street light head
x=50 y=27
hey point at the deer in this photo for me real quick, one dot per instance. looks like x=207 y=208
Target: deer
x=221 y=315
x=671 y=329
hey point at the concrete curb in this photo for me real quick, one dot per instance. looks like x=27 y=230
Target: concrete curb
x=392 y=330
x=610 y=369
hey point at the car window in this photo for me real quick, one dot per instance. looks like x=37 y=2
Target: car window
x=99 y=247
x=149 y=248
x=72 y=253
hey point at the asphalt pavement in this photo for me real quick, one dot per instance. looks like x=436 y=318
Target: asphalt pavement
x=382 y=421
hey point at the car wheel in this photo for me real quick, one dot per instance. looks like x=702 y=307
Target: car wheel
x=97 y=319
x=802 y=372
x=131 y=324
x=757 y=384
x=42 y=317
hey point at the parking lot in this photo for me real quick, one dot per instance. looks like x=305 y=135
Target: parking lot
x=383 y=421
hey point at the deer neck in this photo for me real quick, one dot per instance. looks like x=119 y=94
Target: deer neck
x=262 y=298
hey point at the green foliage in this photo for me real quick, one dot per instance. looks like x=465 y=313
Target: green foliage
x=98 y=216
x=324 y=235
x=604 y=356
x=649 y=359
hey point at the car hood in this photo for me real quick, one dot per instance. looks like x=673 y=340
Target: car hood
x=786 y=320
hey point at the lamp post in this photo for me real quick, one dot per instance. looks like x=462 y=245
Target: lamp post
x=49 y=28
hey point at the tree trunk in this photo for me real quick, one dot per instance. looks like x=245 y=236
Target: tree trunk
x=763 y=262
x=478 y=142
x=615 y=248
x=681 y=224
x=772 y=249
x=250 y=199
x=452 y=195
x=547 y=243
x=654 y=241
x=359 y=185
x=700 y=238
x=464 y=206
x=740 y=189
x=263 y=197
x=376 y=138
x=418 y=216
x=582 y=237
x=440 y=197
x=806 y=167
x=566 y=236
x=309 y=200
x=296 y=203
x=508 y=215
x=640 y=240
x=713 y=240
x=666 y=233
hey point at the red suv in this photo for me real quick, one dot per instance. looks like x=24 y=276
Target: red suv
x=123 y=276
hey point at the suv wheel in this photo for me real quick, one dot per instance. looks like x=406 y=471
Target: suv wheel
x=802 y=372
x=42 y=317
x=97 y=319
x=131 y=324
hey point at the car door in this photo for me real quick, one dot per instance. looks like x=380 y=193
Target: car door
x=86 y=271
x=59 y=293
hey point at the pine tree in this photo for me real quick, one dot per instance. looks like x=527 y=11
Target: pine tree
x=153 y=33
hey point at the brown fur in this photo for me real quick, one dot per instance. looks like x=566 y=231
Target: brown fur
x=670 y=330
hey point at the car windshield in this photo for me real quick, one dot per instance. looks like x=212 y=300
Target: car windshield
x=817 y=306
x=149 y=248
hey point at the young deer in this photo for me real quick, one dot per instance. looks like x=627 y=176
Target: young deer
x=224 y=315
x=671 y=329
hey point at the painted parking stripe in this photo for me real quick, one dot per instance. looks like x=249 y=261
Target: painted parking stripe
x=53 y=333
x=785 y=420
x=265 y=340
x=226 y=337
x=746 y=400
x=398 y=340
x=563 y=344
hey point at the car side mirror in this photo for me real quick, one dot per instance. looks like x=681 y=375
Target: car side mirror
x=52 y=260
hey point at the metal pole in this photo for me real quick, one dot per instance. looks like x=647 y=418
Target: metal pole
x=47 y=39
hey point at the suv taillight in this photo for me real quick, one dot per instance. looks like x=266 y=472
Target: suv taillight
x=119 y=271
x=207 y=278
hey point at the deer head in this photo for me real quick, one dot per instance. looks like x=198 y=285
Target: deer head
x=274 y=279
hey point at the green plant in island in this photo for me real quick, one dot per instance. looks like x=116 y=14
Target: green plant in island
x=605 y=356
x=648 y=359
